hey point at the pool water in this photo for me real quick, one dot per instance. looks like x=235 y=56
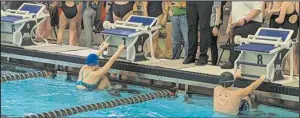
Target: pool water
x=202 y=106
x=25 y=97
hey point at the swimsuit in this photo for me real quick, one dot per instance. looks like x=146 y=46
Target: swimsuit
x=121 y=10
x=89 y=87
x=154 y=8
x=70 y=12
x=286 y=24
x=244 y=106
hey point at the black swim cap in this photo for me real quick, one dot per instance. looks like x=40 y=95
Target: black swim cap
x=226 y=79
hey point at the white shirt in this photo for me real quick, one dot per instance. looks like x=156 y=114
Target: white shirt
x=241 y=9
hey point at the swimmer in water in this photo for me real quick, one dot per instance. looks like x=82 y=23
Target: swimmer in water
x=230 y=101
x=91 y=76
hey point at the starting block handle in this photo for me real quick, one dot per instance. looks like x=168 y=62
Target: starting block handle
x=17 y=11
x=128 y=23
x=265 y=37
x=239 y=39
x=3 y=13
x=23 y=14
x=116 y=46
x=121 y=24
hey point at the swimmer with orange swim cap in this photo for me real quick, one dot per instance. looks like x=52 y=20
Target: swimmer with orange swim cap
x=91 y=76
x=232 y=101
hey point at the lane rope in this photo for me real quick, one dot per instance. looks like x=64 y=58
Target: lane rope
x=102 y=105
x=22 y=76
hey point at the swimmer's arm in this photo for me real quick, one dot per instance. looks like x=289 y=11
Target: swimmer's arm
x=102 y=48
x=246 y=91
x=237 y=75
x=283 y=11
x=145 y=6
x=111 y=61
x=80 y=71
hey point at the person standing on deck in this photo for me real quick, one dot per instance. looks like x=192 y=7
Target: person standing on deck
x=198 y=11
x=245 y=18
x=179 y=29
x=89 y=17
x=230 y=101
x=155 y=9
x=92 y=77
x=70 y=13
x=215 y=23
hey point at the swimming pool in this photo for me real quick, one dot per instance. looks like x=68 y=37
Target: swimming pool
x=39 y=95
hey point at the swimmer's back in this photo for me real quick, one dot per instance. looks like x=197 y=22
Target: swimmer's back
x=226 y=100
x=88 y=76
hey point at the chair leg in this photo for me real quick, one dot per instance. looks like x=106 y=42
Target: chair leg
x=54 y=32
x=220 y=57
x=182 y=46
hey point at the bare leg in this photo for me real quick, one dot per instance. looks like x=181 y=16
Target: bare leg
x=156 y=48
x=104 y=83
x=62 y=25
x=78 y=33
x=168 y=41
x=44 y=28
x=73 y=32
x=78 y=20
x=157 y=51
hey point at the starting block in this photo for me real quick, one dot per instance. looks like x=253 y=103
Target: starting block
x=263 y=53
x=17 y=25
x=133 y=33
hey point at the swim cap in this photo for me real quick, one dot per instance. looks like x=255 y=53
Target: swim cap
x=227 y=79
x=92 y=60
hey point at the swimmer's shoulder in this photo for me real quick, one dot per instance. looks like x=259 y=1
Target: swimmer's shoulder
x=98 y=72
x=83 y=67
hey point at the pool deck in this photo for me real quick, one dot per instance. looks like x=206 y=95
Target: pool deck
x=172 y=64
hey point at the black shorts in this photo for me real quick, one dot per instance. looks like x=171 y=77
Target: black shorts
x=244 y=106
x=70 y=12
x=285 y=25
x=154 y=8
x=121 y=10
